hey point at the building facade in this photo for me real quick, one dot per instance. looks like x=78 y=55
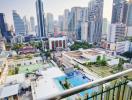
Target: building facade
x=119 y=11
x=32 y=24
x=18 y=24
x=50 y=24
x=95 y=20
x=129 y=19
x=57 y=43
x=117 y=33
x=40 y=18
x=66 y=19
x=27 y=25
x=3 y=29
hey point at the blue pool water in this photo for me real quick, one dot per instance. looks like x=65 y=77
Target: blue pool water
x=75 y=79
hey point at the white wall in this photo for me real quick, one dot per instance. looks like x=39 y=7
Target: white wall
x=84 y=31
x=129 y=31
x=113 y=62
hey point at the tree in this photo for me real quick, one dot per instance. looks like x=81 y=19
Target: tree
x=78 y=45
x=16 y=70
x=98 y=58
x=101 y=62
x=119 y=67
x=16 y=47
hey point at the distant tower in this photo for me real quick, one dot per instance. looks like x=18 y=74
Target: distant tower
x=40 y=18
x=32 y=24
x=129 y=16
x=95 y=21
x=18 y=24
x=3 y=27
x=50 y=23
x=119 y=11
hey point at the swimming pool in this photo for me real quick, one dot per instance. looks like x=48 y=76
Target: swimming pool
x=75 y=79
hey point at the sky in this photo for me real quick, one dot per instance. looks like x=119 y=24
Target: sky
x=56 y=7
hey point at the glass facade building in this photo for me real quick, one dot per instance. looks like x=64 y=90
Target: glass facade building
x=95 y=21
x=40 y=18
x=129 y=16
x=2 y=24
x=119 y=11
x=18 y=24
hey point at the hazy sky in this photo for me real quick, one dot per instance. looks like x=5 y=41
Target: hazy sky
x=56 y=7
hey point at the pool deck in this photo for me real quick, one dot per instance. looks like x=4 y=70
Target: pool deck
x=46 y=85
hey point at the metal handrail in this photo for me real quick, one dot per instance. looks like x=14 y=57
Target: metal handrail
x=86 y=86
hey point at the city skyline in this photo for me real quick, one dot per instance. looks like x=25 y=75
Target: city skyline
x=24 y=9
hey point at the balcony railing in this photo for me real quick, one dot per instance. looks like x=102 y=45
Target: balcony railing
x=114 y=87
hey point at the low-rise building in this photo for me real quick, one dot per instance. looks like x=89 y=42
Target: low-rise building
x=27 y=49
x=57 y=42
x=116 y=33
x=72 y=58
x=18 y=39
x=118 y=47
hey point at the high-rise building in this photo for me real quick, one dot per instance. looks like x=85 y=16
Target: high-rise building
x=50 y=23
x=18 y=24
x=117 y=33
x=61 y=23
x=3 y=27
x=129 y=15
x=119 y=11
x=105 y=28
x=40 y=18
x=84 y=30
x=129 y=19
x=66 y=19
x=95 y=20
x=32 y=24
x=56 y=28
x=26 y=25
x=75 y=22
x=84 y=25
x=0 y=33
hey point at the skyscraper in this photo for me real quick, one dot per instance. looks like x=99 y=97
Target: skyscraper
x=40 y=18
x=105 y=26
x=129 y=19
x=32 y=24
x=61 y=23
x=119 y=11
x=117 y=33
x=26 y=25
x=50 y=23
x=66 y=19
x=3 y=25
x=129 y=15
x=75 y=22
x=18 y=24
x=95 y=20
x=0 y=34
x=84 y=25
x=105 y=29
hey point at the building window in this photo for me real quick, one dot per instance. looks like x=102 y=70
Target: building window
x=64 y=44
x=56 y=43
x=60 y=43
x=53 y=45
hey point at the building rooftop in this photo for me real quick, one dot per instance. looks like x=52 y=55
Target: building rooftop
x=46 y=86
x=9 y=91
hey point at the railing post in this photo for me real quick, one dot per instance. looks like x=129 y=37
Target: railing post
x=123 y=90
